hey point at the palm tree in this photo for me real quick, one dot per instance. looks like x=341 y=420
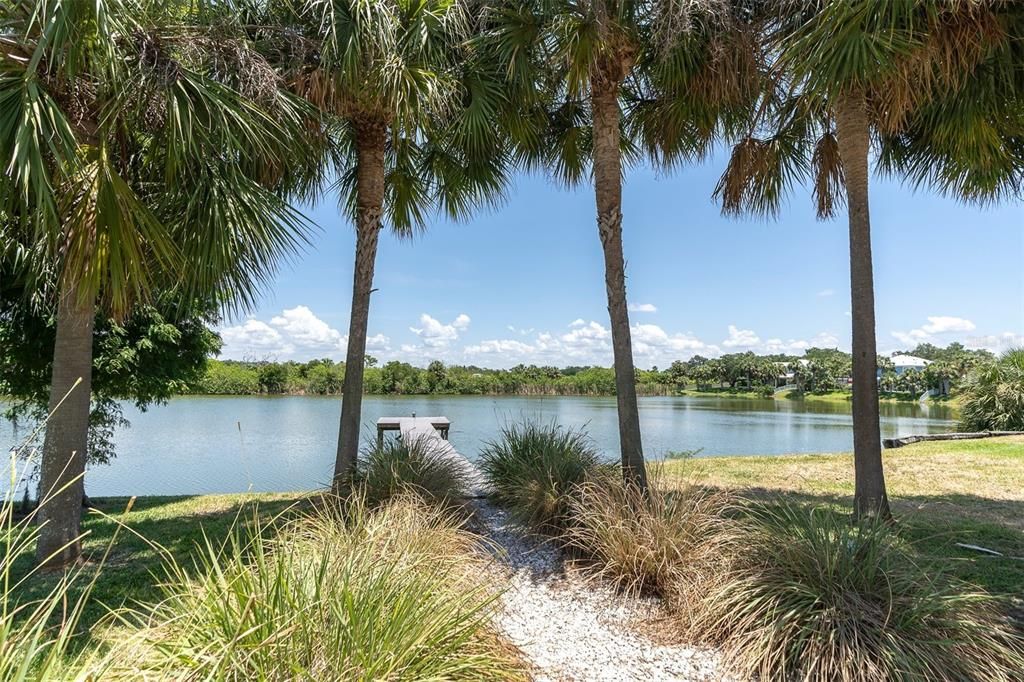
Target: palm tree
x=934 y=85
x=140 y=141
x=994 y=395
x=408 y=118
x=613 y=79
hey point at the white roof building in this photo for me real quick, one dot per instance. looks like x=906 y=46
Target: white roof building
x=905 y=362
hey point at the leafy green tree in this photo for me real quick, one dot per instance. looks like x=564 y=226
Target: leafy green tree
x=156 y=352
x=273 y=377
x=145 y=148
x=437 y=377
x=613 y=79
x=678 y=373
x=325 y=378
x=409 y=122
x=935 y=85
x=708 y=373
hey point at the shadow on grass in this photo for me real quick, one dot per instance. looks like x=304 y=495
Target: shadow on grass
x=134 y=569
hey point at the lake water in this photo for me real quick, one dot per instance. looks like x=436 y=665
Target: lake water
x=198 y=445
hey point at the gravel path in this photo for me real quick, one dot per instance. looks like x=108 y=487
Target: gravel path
x=571 y=629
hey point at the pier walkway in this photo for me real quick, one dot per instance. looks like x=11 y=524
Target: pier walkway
x=435 y=430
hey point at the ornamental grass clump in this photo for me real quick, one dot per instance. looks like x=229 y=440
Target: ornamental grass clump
x=534 y=470
x=36 y=635
x=666 y=541
x=816 y=598
x=345 y=593
x=418 y=467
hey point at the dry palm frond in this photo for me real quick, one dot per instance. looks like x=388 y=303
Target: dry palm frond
x=954 y=43
x=828 y=175
x=757 y=175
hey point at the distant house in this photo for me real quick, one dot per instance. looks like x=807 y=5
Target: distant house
x=901 y=363
x=787 y=377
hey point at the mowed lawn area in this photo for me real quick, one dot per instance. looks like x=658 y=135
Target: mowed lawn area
x=942 y=493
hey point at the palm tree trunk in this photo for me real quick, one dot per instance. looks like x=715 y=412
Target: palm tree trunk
x=61 y=482
x=853 y=137
x=370 y=202
x=608 y=193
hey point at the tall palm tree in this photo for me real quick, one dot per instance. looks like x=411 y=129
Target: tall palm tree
x=934 y=86
x=408 y=117
x=614 y=79
x=141 y=143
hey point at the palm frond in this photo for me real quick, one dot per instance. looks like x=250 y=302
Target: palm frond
x=827 y=169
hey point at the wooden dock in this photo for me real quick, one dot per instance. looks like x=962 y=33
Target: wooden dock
x=435 y=430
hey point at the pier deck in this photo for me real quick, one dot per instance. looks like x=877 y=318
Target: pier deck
x=434 y=429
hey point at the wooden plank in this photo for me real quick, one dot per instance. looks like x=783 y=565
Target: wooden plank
x=394 y=423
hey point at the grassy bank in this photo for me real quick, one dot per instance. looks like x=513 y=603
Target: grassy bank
x=843 y=397
x=943 y=493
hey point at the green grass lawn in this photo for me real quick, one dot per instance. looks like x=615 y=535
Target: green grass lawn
x=942 y=493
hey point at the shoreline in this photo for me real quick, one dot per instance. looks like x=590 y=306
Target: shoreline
x=833 y=397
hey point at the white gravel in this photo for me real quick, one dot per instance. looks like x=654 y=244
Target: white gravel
x=572 y=629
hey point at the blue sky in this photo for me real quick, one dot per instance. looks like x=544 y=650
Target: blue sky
x=525 y=283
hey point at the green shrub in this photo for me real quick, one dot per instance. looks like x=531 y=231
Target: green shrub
x=229 y=378
x=994 y=395
x=534 y=470
x=418 y=467
x=816 y=598
x=666 y=541
x=341 y=594
x=323 y=379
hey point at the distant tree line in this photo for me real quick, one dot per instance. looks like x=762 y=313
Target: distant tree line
x=818 y=370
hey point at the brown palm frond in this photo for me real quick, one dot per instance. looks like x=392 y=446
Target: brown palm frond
x=753 y=180
x=318 y=87
x=827 y=168
x=732 y=73
x=955 y=42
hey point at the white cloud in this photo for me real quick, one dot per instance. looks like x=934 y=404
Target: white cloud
x=655 y=346
x=643 y=308
x=378 y=343
x=253 y=339
x=741 y=338
x=306 y=330
x=937 y=325
x=502 y=346
x=997 y=343
x=434 y=334
x=295 y=334
x=589 y=343
x=798 y=346
x=826 y=292
x=517 y=330
x=945 y=325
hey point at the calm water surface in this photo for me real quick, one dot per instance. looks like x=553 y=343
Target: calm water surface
x=235 y=444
